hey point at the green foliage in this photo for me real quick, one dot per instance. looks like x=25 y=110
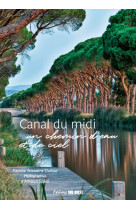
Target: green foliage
x=63 y=19
x=5 y=119
x=9 y=186
x=118 y=90
x=117 y=44
x=15 y=156
x=13 y=100
x=111 y=116
x=66 y=114
x=57 y=66
x=42 y=192
x=32 y=115
x=46 y=79
x=129 y=122
x=131 y=75
x=41 y=115
x=16 y=99
x=90 y=51
x=38 y=87
x=119 y=41
x=7 y=70
x=10 y=68
x=99 y=114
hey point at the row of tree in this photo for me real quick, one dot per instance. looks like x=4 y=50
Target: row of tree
x=97 y=72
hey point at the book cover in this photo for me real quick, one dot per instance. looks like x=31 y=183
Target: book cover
x=68 y=104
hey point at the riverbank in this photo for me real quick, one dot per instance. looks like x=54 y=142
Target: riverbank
x=62 y=114
x=15 y=156
x=116 y=117
x=105 y=117
x=10 y=187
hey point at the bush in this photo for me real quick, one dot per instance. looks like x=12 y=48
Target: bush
x=73 y=113
x=99 y=114
x=112 y=116
x=41 y=115
x=129 y=122
x=60 y=113
x=66 y=113
x=9 y=187
x=16 y=156
x=32 y=115
x=5 y=119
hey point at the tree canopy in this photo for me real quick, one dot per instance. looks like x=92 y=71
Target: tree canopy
x=90 y=51
x=119 y=42
x=19 y=29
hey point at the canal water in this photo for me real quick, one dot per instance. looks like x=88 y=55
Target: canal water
x=93 y=159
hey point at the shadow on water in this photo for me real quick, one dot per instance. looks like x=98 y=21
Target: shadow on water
x=92 y=159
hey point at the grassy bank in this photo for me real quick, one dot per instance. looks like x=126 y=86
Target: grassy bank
x=109 y=117
x=11 y=188
x=15 y=156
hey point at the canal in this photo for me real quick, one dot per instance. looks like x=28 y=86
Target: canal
x=92 y=159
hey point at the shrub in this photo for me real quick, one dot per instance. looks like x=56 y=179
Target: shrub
x=60 y=113
x=99 y=114
x=41 y=115
x=16 y=156
x=5 y=119
x=73 y=113
x=32 y=115
x=129 y=122
x=112 y=116
x=66 y=113
x=9 y=187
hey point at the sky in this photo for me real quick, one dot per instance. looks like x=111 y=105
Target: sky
x=49 y=47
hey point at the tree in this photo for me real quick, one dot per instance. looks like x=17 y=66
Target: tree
x=16 y=38
x=119 y=41
x=72 y=81
x=42 y=20
x=7 y=69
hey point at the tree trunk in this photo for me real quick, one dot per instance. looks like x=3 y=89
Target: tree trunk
x=127 y=91
x=128 y=99
x=14 y=28
x=84 y=100
x=105 y=99
x=133 y=99
x=89 y=99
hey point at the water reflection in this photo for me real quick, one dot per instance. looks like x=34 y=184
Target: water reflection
x=94 y=159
